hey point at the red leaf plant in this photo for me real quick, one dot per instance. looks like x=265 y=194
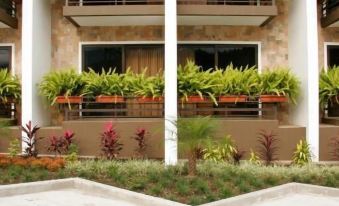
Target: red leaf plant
x=62 y=143
x=268 y=148
x=140 y=137
x=29 y=139
x=110 y=145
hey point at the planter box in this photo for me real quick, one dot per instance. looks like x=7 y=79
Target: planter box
x=69 y=100
x=150 y=99
x=273 y=99
x=110 y=99
x=196 y=99
x=233 y=99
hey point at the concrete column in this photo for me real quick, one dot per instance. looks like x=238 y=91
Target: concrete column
x=171 y=111
x=303 y=59
x=36 y=58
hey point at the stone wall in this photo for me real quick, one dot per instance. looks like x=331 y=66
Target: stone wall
x=13 y=36
x=329 y=34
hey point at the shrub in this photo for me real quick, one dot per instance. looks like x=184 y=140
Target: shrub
x=192 y=81
x=14 y=147
x=10 y=87
x=222 y=151
x=110 y=145
x=30 y=139
x=140 y=137
x=144 y=86
x=193 y=134
x=254 y=158
x=303 y=154
x=280 y=81
x=72 y=154
x=237 y=155
x=267 y=146
x=329 y=86
x=61 y=83
x=61 y=144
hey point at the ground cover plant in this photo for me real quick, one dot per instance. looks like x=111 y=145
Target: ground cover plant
x=213 y=180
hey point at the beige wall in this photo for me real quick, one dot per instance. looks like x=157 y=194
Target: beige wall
x=329 y=34
x=13 y=36
x=66 y=37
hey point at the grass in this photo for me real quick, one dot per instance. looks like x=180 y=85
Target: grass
x=214 y=181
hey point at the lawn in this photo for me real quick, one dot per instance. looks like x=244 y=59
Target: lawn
x=213 y=181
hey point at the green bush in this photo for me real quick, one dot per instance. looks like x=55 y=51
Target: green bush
x=329 y=86
x=144 y=86
x=10 y=87
x=280 y=81
x=303 y=154
x=61 y=83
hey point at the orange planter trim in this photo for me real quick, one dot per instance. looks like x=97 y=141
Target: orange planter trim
x=109 y=99
x=233 y=99
x=150 y=99
x=273 y=98
x=69 y=99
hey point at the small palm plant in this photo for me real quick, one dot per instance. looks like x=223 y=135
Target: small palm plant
x=64 y=83
x=193 y=134
x=329 y=86
x=303 y=154
x=10 y=88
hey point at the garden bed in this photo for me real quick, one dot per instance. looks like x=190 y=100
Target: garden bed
x=213 y=181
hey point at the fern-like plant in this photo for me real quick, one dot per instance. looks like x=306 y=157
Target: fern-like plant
x=194 y=82
x=302 y=155
x=220 y=151
x=329 y=86
x=144 y=86
x=281 y=82
x=61 y=83
x=10 y=87
x=107 y=83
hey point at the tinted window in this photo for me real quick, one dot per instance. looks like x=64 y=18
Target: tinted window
x=238 y=55
x=333 y=56
x=98 y=57
x=5 y=57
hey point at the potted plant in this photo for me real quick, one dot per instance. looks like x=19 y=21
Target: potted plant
x=329 y=86
x=194 y=85
x=107 y=87
x=236 y=84
x=278 y=85
x=62 y=87
x=148 y=89
x=10 y=88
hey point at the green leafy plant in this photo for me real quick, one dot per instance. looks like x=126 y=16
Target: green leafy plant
x=107 y=83
x=236 y=81
x=14 y=147
x=302 y=155
x=254 y=158
x=280 y=81
x=152 y=86
x=72 y=154
x=220 y=151
x=61 y=83
x=10 y=87
x=194 y=82
x=193 y=134
x=329 y=86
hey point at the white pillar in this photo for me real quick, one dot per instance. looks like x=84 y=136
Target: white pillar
x=303 y=59
x=171 y=95
x=36 y=58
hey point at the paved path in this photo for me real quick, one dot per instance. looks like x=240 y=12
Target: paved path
x=69 y=197
x=301 y=200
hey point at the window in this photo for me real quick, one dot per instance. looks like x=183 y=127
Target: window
x=120 y=57
x=6 y=57
x=332 y=55
x=211 y=56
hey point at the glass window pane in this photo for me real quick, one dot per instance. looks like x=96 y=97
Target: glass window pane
x=5 y=57
x=333 y=56
x=202 y=55
x=98 y=57
x=238 y=55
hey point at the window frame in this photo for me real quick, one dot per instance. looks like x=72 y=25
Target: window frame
x=326 y=45
x=12 y=56
x=220 y=43
x=123 y=44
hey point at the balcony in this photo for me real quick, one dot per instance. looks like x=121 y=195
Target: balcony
x=8 y=14
x=114 y=12
x=226 y=12
x=330 y=13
